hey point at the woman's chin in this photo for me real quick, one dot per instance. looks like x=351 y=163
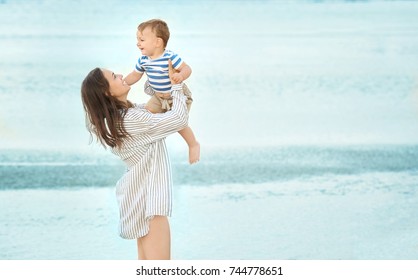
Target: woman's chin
x=126 y=86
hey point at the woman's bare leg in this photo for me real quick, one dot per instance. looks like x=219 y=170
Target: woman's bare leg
x=194 y=146
x=156 y=244
x=141 y=254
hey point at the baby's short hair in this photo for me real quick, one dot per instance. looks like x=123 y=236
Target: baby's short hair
x=159 y=27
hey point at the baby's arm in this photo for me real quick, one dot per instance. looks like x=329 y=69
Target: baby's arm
x=133 y=77
x=184 y=72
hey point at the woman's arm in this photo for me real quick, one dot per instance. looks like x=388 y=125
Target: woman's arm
x=159 y=126
x=141 y=122
x=163 y=124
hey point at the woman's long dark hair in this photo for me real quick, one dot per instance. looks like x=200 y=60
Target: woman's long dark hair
x=104 y=113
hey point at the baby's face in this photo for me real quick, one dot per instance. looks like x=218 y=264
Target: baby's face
x=147 y=42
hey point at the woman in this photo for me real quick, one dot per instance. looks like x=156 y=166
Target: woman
x=138 y=138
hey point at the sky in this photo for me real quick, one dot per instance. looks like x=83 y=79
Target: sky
x=265 y=73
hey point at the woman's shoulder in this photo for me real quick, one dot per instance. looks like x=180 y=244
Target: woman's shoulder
x=137 y=120
x=137 y=111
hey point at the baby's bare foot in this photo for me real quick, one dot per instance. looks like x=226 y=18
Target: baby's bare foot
x=194 y=153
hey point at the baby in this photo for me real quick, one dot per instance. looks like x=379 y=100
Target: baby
x=152 y=37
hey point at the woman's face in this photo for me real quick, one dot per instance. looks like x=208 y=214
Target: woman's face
x=117 y=87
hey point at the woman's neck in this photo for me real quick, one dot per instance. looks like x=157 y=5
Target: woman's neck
x=123 y=99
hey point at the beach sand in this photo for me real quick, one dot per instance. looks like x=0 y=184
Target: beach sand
x=330 y=217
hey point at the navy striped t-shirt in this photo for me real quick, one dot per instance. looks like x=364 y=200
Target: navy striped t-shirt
x=157 y=69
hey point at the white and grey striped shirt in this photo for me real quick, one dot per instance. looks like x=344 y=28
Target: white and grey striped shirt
x=145 y=189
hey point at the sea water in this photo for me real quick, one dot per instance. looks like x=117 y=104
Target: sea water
x=266 y=203
x=306 y=111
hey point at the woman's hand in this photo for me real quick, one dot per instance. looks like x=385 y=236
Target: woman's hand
x=175 y=76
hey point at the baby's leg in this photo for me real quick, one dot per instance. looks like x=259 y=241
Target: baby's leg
x=194 y=146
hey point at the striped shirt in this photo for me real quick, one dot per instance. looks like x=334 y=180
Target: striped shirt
x=145 y=189
x=157 y=69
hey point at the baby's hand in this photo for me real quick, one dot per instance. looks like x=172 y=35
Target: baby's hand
x=177 y=78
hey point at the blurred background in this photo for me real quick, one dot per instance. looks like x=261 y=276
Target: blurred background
x=306 y=112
